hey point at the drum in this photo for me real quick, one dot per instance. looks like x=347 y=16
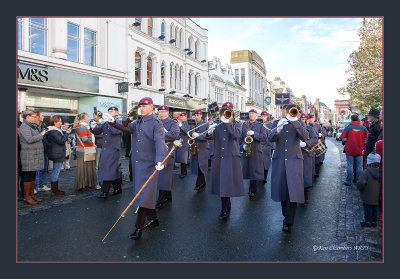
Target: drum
x=320 y=148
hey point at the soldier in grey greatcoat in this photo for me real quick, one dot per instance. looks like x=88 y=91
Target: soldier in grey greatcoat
x=226 y=176
x=318 y=129
x=181 y=154
x=287 y=182
x=166 y=177
x=253 y=166
x=148 y=150
x=109 y=161
x=199 y=162
x=266 y=149
x=308 y=156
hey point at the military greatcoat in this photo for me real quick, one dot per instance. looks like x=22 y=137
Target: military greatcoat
x=110 y=153
x=201 y=158
x=166 y=177
x=226 y=175
x=287 y=162
x=183 y=152
x=253 y=167
x=148 y=148
x=308 y=156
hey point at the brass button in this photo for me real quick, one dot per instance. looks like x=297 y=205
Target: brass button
x=285 y=159
x=286 y=140
x=137 y=161
x=285 y=149
x=222 y=148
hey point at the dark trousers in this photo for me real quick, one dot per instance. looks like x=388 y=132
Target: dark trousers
x=200 y=178
x=253 y=186
x=265 y=174
x=225 y=204
x=144 y=213
x=288 y=209
x=306 y=194
x=105 y=187
x=183 y=169
x=371 y=212
x=317 y=166
x=162 y=195
x=130 y=169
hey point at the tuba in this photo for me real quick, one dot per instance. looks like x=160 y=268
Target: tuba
x=248 y=140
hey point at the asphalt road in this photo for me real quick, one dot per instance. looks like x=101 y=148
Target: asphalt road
x=189 y=226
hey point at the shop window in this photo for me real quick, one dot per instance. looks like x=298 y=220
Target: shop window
x=163 y=74
x=149 y=72
x=38 y=35
x=90 y=47
x=138 y=67
x=150 y=27
x=73 y=42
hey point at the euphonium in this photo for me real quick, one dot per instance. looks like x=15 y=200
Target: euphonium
x=248 y=140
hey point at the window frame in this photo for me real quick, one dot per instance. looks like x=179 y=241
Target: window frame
x=242 y=76
x=95 y=46
x=162 y=74
x=43 y=28
x=138 y=70
x=20 y=34
x=78 y=39
x=150 y=26
x=163 y=30
x=149 y=80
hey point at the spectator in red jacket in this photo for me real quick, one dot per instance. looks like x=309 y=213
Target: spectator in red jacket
x=355 y=136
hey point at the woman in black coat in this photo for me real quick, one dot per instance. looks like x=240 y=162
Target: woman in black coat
x=56 y=151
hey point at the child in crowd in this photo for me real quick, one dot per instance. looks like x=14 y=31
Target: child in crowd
x=368 y=185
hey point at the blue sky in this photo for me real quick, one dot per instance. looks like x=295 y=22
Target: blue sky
x=309 y=54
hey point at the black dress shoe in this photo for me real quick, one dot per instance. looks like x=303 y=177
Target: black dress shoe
x=252 y=195
x=223 y=215
x=197 y=187
x=136 y=234
x=286 y=228
x=150 y=224
x=116 y=192
x=103 y=195
x=159 y=205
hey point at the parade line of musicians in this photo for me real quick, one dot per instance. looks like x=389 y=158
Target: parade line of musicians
x=226 y=143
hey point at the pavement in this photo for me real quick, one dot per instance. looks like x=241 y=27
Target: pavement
x=71 y=228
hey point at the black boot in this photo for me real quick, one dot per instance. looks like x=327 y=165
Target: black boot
x=136 y=234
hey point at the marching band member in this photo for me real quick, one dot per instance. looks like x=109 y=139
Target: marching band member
x=148 y=150
x=109 y=160
x=210 y=143
x=287 y=183
x=308 y=156
x=266 y=149
x=182 y=153
x=226 y=176
x=199 y=162
x=318 y=160
x=252 y=164
x=166 y=178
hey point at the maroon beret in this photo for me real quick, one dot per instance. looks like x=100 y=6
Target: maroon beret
x=113 y=108
x=183 y=114
x=197 y=111
x=228 y=104
x=253 y=110
x=264 y=112
x=164 y=107
x=146 y=101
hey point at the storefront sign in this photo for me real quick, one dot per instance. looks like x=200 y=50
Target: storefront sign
x=123 y=87
x=57 y=78
x=184 y=104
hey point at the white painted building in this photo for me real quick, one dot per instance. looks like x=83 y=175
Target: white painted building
x=168 y=57
x=250 y=72
x=223 y=87
x=71 y=65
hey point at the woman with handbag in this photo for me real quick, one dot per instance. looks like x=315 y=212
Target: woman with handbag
x=85 y=176
x=56 y=151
